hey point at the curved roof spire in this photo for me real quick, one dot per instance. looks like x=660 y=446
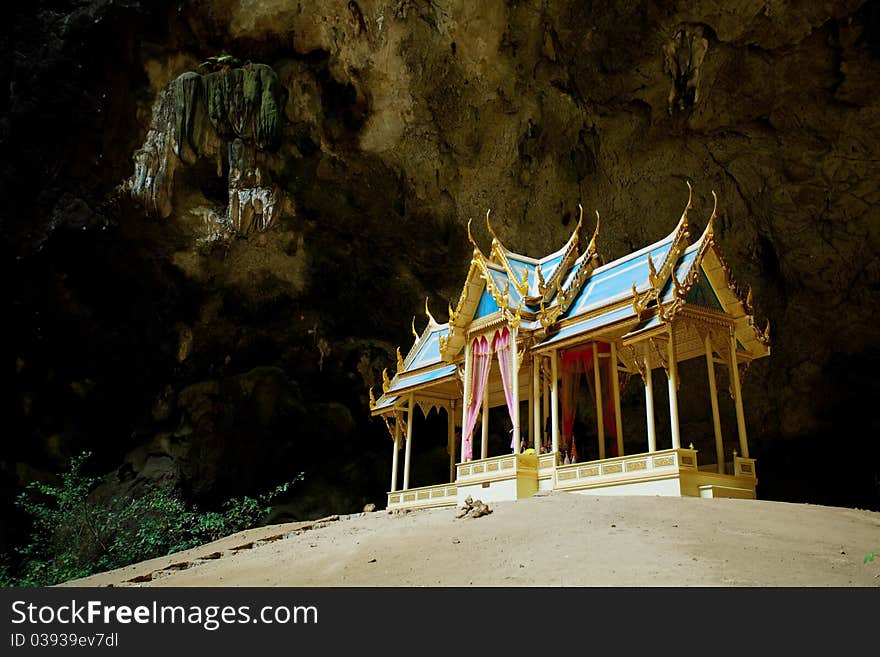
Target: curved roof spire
x=489 y=226
x=709 y=231
x=710 y=227
x=471 y=239
x=592 y=244
x=431 y=319
x=684 y=215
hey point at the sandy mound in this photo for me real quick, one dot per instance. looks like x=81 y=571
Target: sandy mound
x=561 y=539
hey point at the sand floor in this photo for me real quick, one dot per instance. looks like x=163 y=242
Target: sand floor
x=560 y=539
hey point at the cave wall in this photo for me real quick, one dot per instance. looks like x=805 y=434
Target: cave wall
x=223 y=363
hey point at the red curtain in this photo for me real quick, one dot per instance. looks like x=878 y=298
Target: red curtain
x=577 y=363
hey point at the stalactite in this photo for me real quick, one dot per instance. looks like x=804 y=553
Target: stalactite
x=192 y=118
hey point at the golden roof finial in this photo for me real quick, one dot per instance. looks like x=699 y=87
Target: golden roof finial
x=516 y=319
x=451 y=314
x=652 y=272
x=542 y=286
x=592 y=245
x=415 y=334
x=684 y=215
x=709 y=232
x=560 y=294
x=386 y=382
x=471 y=237
x=399 y=361
x=679 y=290
x=503 y=303
x=372 y=399
x=547 y=315
x=428 y=313
x=767 y=333
x=749 y=300
x=635 y=300
x=489 y=225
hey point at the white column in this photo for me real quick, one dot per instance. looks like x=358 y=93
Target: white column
x=514 y=372
x=530 y=414
x=545 y=399
x=713 y=395
x=536 y=404
x=740 y=415
x=450 y=438
x=649 y=408
x=484 y=439
x=465 y=397
x=409 y=425
x=600 y=420
x=554 y=401
x=615 y=388
x=395 y=457
x=673 y=392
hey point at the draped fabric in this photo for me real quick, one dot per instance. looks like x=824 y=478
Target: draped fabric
x=577 y=363
x=480 y=361
x=501 y=346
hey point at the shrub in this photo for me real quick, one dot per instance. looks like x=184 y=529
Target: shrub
x=74 y=536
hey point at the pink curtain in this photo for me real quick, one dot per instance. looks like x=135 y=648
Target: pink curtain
x=480 y=361
x=575 y=364
x=501 y=346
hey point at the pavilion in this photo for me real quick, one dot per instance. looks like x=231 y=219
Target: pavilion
x=528 y=331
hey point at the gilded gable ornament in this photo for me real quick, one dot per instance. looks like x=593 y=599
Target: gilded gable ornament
x=652 y=272
x=678 y=289
x=542 y=286
x=386 y=382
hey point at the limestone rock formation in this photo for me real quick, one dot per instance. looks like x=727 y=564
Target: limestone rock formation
x=231 y=115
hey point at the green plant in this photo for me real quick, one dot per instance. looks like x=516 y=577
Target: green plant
x=73 y=534
x=872 y=556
